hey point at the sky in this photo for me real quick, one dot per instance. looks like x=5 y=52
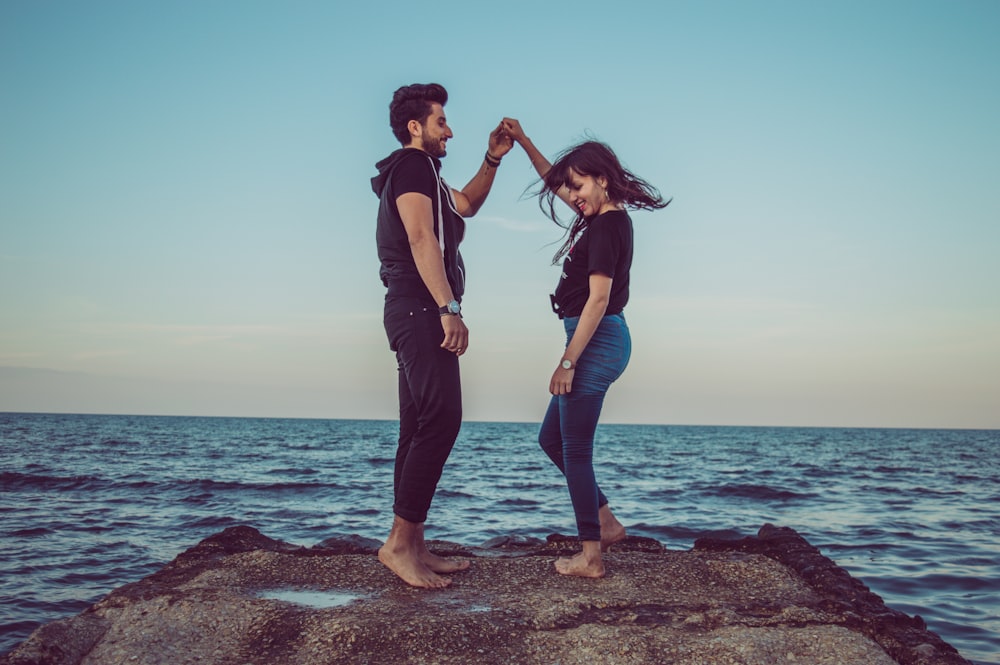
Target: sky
x=187 y=225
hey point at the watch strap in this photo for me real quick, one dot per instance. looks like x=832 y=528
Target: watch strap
x=452 y=308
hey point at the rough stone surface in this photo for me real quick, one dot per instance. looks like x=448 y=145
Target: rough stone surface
x=240 y=598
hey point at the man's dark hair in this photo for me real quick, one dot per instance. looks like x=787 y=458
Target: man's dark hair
x=413 y=102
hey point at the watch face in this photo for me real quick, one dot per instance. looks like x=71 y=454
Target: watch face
x=567 y=364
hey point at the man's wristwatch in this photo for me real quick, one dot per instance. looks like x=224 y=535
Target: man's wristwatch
x=451 y=308
x=566 y=363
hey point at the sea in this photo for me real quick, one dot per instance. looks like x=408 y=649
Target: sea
x=91 y=502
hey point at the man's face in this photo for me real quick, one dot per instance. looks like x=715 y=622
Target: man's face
x=435 y=132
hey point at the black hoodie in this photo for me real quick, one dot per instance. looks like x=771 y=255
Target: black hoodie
x=413 y=170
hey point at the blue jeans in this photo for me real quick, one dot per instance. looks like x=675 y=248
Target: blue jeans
x=567 y=431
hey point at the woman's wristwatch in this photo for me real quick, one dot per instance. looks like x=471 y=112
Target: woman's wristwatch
x=566 y=363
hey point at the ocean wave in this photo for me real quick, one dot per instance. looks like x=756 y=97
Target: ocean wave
x=758 y=492
x=452 y=494
x=208 y=484
x=927 y=491
x=209 y=522
x=12 y=481
x=15 y=481
x=293 y=471
x=517 y=501
x=671 y=533
x=891 y=470
x=36 y=532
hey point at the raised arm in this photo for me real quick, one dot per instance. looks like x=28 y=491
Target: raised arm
x=471 y=197
x=541 y=165
x=538 y=160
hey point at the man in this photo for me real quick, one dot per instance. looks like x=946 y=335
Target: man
x=420 y=225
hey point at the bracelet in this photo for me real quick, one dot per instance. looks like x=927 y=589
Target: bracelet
x=491 y=160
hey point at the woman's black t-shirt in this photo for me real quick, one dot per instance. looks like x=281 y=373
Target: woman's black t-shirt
x=605 y=247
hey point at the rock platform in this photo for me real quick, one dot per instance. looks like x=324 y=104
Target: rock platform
x=241 y=598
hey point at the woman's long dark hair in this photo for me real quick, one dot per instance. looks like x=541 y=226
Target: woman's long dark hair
x=595 y=159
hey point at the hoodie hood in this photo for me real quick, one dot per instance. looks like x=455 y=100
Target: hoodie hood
x=386 y=166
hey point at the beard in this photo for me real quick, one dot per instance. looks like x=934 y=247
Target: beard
x=435 y=147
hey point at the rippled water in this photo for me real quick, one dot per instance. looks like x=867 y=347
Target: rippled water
x=92 y=502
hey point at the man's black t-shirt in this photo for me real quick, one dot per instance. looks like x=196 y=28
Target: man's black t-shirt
x=411 y=170
x=605 y=247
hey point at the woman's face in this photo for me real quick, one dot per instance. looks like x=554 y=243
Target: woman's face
x=587 y=193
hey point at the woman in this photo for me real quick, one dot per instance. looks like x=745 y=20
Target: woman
x=590 y=298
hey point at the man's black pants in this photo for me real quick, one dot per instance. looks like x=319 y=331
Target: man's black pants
x=430 y=402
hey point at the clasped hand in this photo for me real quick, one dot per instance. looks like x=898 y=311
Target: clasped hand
x=500 y=141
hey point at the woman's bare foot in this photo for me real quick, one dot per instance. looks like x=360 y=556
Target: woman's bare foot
x=612 y=530
x=401 y=555
x=587 y=563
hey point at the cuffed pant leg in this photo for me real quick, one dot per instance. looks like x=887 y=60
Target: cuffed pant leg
x=430 y=394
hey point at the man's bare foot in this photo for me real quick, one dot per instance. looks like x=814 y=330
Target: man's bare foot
x=411 y=569
x=437 y=564
x=612 y=530
x=580 y=566
x=402 y=554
